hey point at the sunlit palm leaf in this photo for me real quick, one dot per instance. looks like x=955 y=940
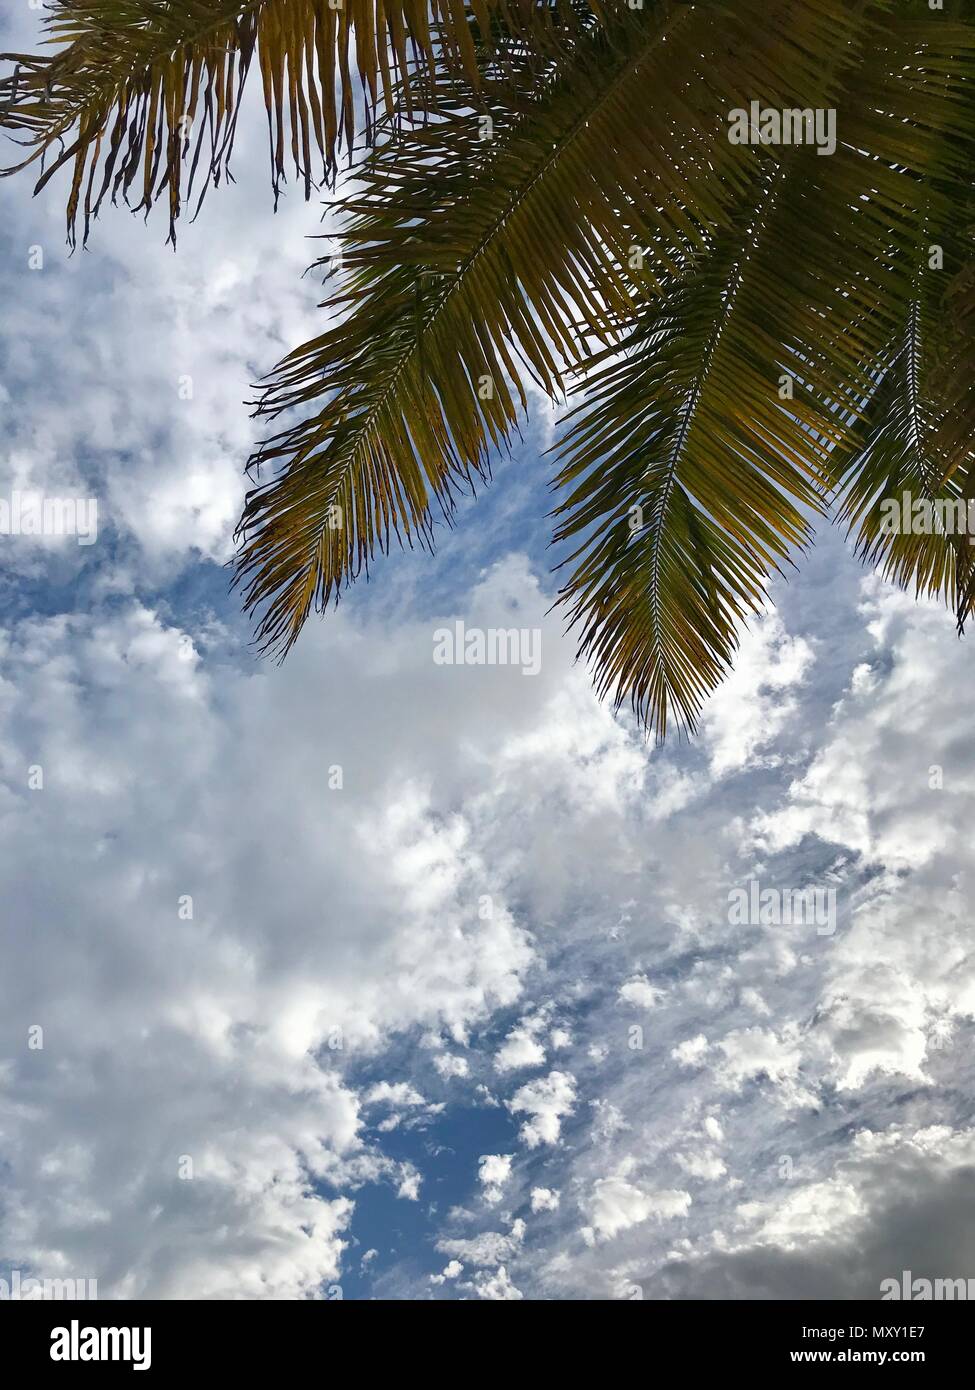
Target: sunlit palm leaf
x=688 y=479
x=687 y=435
x=902 y=490
x=472 y=260
x=920 y=416
x=143 y=95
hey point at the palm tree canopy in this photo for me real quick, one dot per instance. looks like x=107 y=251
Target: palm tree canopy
x=550 y=194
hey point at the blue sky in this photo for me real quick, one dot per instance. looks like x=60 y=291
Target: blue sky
x=477 y=1024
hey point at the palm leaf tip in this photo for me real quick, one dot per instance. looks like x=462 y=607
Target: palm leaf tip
x=142 y=99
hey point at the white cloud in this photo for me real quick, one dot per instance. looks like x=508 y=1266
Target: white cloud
x=423 y=832
x=409 y=1188
x=640 y=993
x=134 y=364
x=547 y=1100
x=544 y=1199
x=399 y=1093
x=608 y=1119
x=372 y=890
x=759 y=1052
x=489 y=1248
x=449 y=1064
x=757 y=699
x=519 y=1050
x=493 y=1171
x=893 y=783
x=704 y=1165
x=896 y=1199
x=617 y=1203
x=497 y=1286
x=330 y=928
x=691 y=1052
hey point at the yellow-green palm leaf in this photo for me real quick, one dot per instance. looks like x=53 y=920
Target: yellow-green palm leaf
x=701 y=454
x=143 y=95
x=474 y=260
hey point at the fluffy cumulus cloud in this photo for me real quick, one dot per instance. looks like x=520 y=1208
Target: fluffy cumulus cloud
x=493 y=1172
x=220 y=936
x=520 y=1049
x=487 y=1250
x=759 y=697
x=546 y=1102
x=451 y=1270
x=639 y=992
x=497 y=1287
x=828 y=1191
x=213 y=930
x=141 y=964
x=544 y=1199
x=618 y=1203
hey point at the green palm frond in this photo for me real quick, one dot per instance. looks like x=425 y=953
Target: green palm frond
x=920 y=414
x=688 y=478
x=144 y=95
x=473 y=260
x=906 y=490
x=686 y=434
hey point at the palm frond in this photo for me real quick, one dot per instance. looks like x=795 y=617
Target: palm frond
x=688 y=434
x=144 y=95
x=905 y=491
x=919 y=408
x=688 y=479
x=473 y=261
